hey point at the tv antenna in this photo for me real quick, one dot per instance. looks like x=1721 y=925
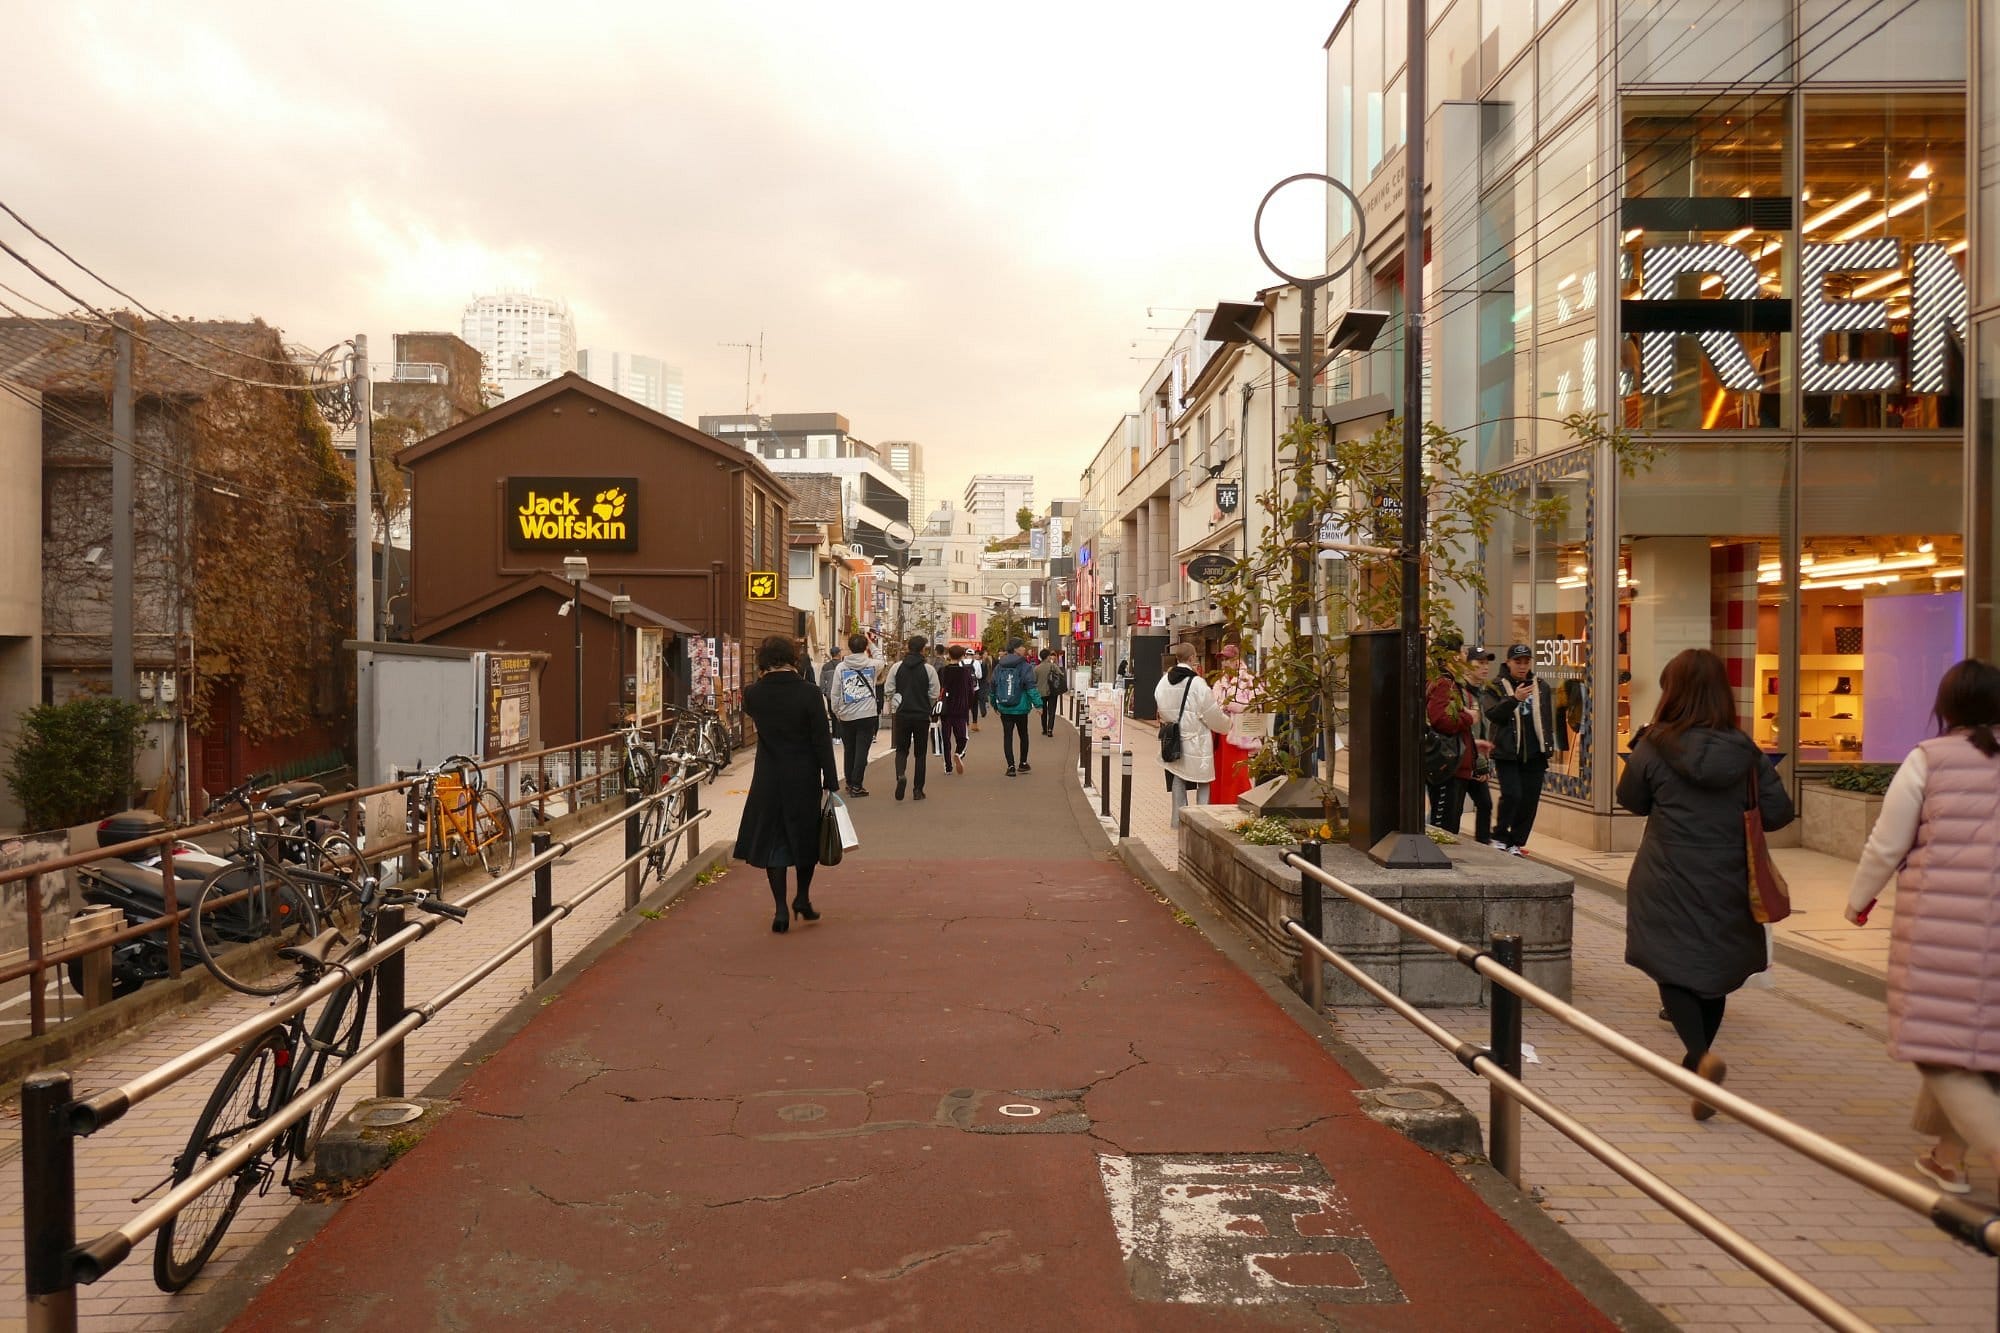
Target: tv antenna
x=750 y=350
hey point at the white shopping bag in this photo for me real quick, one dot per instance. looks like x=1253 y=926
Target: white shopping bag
x=844 y=817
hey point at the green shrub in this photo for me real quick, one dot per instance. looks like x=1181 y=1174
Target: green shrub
x=73 y=761
x=1869 y=779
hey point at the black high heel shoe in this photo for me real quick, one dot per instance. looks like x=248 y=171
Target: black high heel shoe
x=780 y=923
x=804 y=910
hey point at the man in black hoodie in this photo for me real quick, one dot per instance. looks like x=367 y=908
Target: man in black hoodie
x=915 y=683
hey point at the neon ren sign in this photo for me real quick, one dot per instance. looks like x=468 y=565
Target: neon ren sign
x=1937 y=313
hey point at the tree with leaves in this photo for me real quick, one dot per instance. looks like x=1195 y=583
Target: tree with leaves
x=1024 y=518
x=1347 y=491
x=72 y=762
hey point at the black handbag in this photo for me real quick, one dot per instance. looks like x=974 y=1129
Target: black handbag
x=830 y=850
x=1170 y=732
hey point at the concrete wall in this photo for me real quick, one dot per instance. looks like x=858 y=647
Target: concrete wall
x=20 y=573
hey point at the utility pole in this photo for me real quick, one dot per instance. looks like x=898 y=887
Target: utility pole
x=1412 y=847
x=124 y=553
x=364 y=567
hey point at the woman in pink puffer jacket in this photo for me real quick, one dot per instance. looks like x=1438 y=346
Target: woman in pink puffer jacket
x=1938 y=836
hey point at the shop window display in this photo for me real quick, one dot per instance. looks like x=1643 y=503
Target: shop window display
x=1538 y=592
x=1706 y=216
x=1882 y=294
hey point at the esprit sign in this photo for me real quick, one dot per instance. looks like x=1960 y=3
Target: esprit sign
x=572 y=514
x=1875 y=271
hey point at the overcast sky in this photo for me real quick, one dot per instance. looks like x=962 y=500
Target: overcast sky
x=947 y=222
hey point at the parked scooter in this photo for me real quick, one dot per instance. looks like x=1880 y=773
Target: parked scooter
x=133 y=884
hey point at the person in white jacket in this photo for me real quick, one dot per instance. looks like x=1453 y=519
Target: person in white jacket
x=1184 y=700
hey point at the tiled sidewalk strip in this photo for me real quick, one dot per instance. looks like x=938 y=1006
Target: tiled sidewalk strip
x=134 y=1155
x=1805 y=1048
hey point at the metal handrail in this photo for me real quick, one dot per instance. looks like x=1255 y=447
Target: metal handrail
x=1957 y=1217
x=52 y=1119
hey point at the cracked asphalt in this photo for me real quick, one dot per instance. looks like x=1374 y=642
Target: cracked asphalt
x=893 y=1119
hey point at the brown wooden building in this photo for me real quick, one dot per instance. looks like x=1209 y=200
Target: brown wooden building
x=676 y=519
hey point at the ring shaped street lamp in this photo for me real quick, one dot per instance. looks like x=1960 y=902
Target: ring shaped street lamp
x=1360 y=230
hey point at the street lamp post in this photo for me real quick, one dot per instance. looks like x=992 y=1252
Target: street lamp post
x=621 y=606
x=576 y=569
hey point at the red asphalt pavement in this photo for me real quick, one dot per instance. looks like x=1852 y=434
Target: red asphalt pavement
x=997 y=1086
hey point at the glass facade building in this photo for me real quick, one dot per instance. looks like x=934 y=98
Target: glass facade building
x=1743 y=232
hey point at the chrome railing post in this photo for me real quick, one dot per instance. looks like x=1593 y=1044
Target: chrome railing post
x=48 y=1201
x=631 y=847
x=389 y=1005
x=1312 y=917
x=540 y=904
x=1504 y=1113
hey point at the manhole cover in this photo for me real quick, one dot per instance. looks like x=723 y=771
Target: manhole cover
x=1020 y=1109
x=384 y=1114
x=800 y=1112
x=1409 y=1099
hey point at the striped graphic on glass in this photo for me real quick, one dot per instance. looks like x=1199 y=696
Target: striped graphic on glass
x=1818 y=316
x=1937 y=305
x=1665 y=265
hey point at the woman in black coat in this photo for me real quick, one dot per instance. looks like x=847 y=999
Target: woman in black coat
x=781 y=816
x=1687 y=913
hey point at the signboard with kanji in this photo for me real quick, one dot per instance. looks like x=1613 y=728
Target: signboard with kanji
x=1228 y=495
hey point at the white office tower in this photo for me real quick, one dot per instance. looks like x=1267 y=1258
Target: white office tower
x=992 y=499
x=524 y=341
x=643 y=379
x=906 y=460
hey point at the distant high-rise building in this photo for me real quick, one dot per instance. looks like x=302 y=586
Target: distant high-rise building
x=525 y=341
x=992 y=499
x=643 y=379
x=906 y=460
x=818 y=443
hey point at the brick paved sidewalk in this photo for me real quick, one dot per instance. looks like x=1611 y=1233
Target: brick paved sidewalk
x=1807 y=1048
x=134 y=1155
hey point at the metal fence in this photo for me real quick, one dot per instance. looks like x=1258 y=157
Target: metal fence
x=53 y=1118
x=1499 y=1063
x=545 y=784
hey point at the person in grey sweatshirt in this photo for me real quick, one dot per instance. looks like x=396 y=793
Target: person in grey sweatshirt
x=854 y=691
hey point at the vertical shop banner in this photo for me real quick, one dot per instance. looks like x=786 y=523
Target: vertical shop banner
x=509 y=682
x=1055 y=539
x=1038 y=544
x=652 y=662
x=1107 y=718
x=1107 y=608
x=701 y=672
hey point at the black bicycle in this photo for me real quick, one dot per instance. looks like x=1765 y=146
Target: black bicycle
x=267 y=1073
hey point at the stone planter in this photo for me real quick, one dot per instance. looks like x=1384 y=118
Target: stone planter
x=1484 y=891
x=1837 y=822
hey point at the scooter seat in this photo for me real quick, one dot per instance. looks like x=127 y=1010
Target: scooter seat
x=145 y=882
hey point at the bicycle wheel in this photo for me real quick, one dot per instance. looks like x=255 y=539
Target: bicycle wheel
x=335 y=1038
x=494 y=833
x=340 y=856
x=668 y=814
x=246 y=1095
x=244 y=915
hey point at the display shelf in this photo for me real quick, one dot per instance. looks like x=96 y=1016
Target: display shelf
x=1829 y=706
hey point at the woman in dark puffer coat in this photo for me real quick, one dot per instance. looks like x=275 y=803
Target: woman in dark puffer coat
x=1687 y=916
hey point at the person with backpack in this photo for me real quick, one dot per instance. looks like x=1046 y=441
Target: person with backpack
x=915 y=693
x=1049 y=684
x=854 y=691
x=955 y=678
x=1014 y=697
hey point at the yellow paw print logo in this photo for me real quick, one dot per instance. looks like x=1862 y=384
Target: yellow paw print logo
x=609 y=505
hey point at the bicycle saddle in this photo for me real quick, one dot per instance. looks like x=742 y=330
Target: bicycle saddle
x=315 y=950
x=292 y=791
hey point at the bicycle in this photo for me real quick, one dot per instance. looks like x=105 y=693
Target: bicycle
x=264 y=1076
x=453 y=813
x=698 y=731
x=257 y=901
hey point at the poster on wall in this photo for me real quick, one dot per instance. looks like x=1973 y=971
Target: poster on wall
x=651 y=658
x=729 y=690
x=509 y=683
x=701 y=672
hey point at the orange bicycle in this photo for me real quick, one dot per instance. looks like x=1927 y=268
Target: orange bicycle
x=456 y=814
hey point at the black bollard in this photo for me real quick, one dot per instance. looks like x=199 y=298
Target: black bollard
x=1125 y=796
x=1504 y=1043
x=540 y=905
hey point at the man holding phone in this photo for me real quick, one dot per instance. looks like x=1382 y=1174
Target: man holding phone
x=1519 y=722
